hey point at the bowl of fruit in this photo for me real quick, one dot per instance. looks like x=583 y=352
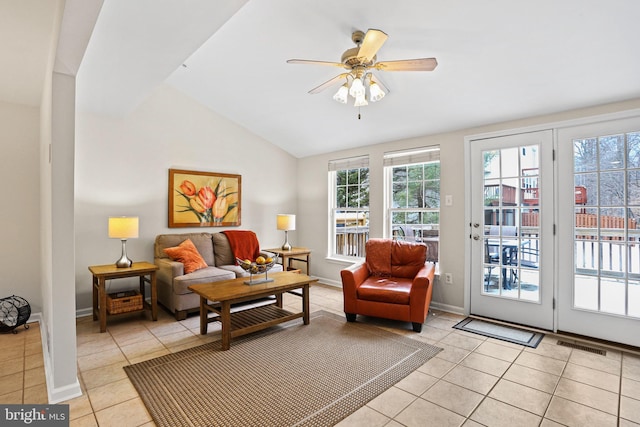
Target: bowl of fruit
x=262 y=264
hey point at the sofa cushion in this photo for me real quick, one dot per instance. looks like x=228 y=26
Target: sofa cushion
x=205 y=275
x=222 y=250
x=188 y=255
x=235 y=269
x=202 y=242
x=389 y=290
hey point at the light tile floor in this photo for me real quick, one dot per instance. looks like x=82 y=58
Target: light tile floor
x=474 y=381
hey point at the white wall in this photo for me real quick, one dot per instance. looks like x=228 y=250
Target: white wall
x=60 y=308
x=313 y=206
x=122 y=169
x=20 y=207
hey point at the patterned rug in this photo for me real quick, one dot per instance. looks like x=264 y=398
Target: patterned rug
x=291 y=375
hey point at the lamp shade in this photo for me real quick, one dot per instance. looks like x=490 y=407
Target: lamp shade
x=123 y=227
x=376 y=94
x=360 y=101
x=341 y=94
x=357 y=88
x=286 y=222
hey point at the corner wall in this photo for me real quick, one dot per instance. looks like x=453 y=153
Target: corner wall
x=122 y=168
x=20 y=208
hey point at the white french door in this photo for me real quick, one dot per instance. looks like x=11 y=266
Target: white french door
x=512 y=208
x=599 y=231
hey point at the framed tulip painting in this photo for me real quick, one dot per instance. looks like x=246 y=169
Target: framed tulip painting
x=203 y=199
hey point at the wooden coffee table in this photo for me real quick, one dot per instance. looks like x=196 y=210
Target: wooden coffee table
x=227 y=292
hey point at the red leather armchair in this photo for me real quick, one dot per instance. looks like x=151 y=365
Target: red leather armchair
x=394 y=282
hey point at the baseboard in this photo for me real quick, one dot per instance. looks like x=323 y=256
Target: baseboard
x=60 y=394
x=446 y=307
x=325 y=281
x=67 y=392
x=84 y=312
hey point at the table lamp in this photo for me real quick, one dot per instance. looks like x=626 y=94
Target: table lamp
x=123 y=228
x=286 y=222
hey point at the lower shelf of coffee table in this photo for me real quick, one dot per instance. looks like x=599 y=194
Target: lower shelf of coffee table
x=258 y=318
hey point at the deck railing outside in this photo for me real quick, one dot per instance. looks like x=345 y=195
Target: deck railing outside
x=351 y=240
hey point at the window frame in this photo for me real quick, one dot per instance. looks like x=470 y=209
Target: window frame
x=359 y=214
x=406 y=158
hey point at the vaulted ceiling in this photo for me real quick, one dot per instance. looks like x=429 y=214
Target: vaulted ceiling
x=498 y=60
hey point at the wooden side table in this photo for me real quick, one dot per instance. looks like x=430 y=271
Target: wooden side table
x=295 y=254
x=102 y=273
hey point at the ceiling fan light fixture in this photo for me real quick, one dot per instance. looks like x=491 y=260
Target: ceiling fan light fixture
x=357 y=88
x=359 y=63
x=360 y=101
x=375 y=92
x=342 y=94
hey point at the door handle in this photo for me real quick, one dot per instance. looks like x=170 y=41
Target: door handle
x=476 y=237
x=476 y=225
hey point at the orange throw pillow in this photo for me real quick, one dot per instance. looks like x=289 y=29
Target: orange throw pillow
x=187 y=254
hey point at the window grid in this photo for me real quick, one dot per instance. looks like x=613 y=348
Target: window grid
x=350 y=212
x=414 y=204
x=606 y=227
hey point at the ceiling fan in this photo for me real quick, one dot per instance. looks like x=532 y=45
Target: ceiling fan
x=360 y=61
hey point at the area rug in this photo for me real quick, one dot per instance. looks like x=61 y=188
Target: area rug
x=501 y=332
x=291 y=375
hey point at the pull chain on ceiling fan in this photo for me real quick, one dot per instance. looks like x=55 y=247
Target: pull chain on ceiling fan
x=359 y=81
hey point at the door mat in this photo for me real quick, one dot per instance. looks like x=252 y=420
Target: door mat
x=312 y=375
x=500 y=332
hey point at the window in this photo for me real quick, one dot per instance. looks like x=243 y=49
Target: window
x=349 y=201
x=413 y=197
x=607 y=224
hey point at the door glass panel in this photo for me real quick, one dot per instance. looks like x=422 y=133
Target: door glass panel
x=585 y=155
x=586 y=292
x=511 y=223
x=606 y=232
x=634 y=298
x=612 y=296
x=633 y=150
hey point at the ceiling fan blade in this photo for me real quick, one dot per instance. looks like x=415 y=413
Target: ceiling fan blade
x=373 y=41
x=421 y=64
x=312 y=62
x=328 y=83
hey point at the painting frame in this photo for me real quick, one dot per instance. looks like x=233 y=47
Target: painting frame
x=204 y=199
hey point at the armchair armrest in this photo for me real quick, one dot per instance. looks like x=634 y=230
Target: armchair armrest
x=168 y=269
x=354 y=275
x=352 y=278
x=424 y=277
x=421 y=291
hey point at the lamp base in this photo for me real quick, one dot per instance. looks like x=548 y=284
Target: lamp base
x=124 y=261
x=286 y=246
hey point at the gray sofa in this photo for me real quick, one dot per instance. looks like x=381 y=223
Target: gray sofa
x=172 y=283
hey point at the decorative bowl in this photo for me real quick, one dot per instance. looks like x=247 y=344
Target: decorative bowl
x=254 y=268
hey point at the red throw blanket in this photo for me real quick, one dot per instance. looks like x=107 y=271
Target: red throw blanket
x=244 y=244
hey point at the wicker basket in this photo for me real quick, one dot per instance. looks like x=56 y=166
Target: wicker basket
x=123 y=302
